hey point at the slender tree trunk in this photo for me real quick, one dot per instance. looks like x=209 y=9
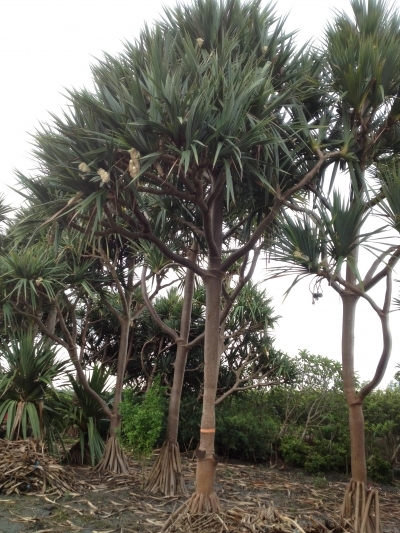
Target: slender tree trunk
x=356 y=417
x=114 y=458
x=357 y=431
x=166 y=474
x=357 y=502
x=205 y=498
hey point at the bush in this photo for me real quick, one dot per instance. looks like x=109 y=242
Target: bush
x=379 y=469
x=294 y=450
x=329 y=455
x=244 y=430
x=142 y=419
x=319 y=457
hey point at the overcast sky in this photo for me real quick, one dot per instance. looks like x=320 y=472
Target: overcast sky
x=46 y=45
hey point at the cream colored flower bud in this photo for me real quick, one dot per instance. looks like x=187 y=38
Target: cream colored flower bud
x=134 y=164
x=104 y=175
x=135 y=154
x=200 y=42
x=264 y=49
x=38 y=282
x=83 y=167
x=299 y=255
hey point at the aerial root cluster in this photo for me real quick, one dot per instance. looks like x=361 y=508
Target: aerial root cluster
x=199 y=504
x=114 y=459
x=203 y=503
x=360 y=509
x=166 y=474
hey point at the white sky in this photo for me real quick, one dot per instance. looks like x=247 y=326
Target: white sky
x=46 y=45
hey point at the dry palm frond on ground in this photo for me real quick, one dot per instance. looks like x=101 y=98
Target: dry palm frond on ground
x=26 y=467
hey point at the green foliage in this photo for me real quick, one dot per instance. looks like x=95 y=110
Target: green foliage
x=326 y=455
x=244 y=429
x=363 y=55
x=382 y=424
x=379 y=469
x=294 y=450
x=142 y=419
x=85 y=413
x=26 y=382
x=317 y=456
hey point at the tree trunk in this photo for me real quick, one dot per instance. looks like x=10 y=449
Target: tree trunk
x=356 y=417
x=166 y=474
x=114 y=459
x=205 y=498
x=358 y=503
x=357 y=431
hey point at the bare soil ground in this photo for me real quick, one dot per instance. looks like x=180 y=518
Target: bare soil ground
x=118 y=503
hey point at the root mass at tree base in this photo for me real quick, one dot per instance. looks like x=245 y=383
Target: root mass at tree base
x=166 y=475
x=114 y=459
x=360 y=509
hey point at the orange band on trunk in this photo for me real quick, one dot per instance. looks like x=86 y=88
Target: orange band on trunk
x=207 y=431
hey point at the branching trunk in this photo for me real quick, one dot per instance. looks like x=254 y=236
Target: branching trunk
x=353 y=506
x=361 y=507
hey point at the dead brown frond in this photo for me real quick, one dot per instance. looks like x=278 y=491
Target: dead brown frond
x=26 y=467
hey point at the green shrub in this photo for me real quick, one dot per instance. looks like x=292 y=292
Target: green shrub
x=29 y=405
x=244 y=430
x=379 y=469
x=294 y=450
x=189 y=423
x=142 y=419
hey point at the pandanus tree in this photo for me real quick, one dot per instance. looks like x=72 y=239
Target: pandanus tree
x=213 y=112
x=59 y=291
x=248 y=360
x=363 y=60
x=321 y=244
x=120 y=304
